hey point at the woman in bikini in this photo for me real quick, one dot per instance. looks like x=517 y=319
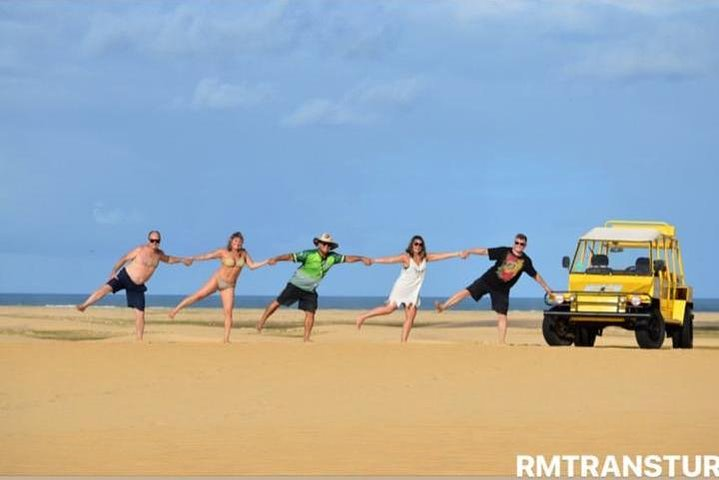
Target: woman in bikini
x=232 y=258
x=405 y=291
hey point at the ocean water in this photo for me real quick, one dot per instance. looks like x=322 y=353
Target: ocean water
x=260 y=301
x=244 y=301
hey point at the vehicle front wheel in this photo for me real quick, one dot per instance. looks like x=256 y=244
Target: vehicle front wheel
x=557 y=331
x=652 y=334
x=683 y=337
x=585 y=337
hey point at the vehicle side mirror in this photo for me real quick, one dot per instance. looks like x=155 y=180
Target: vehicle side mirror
x=565 y=262
x=659 y=266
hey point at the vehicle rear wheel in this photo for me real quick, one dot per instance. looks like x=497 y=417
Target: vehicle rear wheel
x=683 y=336
x=557 y=331
x=585 y=337
x=652 y=334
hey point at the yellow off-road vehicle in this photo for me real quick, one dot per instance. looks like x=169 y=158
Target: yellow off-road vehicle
x=624 y=274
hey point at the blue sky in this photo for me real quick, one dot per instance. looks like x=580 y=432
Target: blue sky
x=464 y=121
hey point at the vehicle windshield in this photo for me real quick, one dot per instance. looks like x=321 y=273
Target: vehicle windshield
x=601 y=257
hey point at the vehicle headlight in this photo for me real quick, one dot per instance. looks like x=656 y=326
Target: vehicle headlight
x=558 y=299
x=635 y=300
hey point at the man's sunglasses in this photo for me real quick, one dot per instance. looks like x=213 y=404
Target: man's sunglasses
x=520 y=243
x=155 y=240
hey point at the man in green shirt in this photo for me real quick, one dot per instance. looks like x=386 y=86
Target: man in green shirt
x=302 y=287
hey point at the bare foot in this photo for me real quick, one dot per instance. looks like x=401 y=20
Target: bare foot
x=81 y=308
x=259 y=327
x=172 y=314
x=307 y=340
x=438 y=306
x=226 y=341
x=360 y=321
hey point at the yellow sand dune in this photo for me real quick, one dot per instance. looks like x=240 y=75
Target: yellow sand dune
x=79 y=396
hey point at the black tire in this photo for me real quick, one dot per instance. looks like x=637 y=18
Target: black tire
x=652 y=334
x=674 y=331
x=683 y=336
x=585 y=337
x=557 y=331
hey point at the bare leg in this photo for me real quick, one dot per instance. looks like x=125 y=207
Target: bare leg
x=271 y=308
x=375 y=312
x=95 y=297
x=139 y=324
x=502 y=327
x=228 y=302
x=451 y=301
x=309 y=322
x=205 y=291
x=410 y=313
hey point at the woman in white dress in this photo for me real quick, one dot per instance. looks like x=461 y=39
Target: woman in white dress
x=405 y=291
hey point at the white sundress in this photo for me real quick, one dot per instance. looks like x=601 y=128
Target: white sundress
x=407 y=286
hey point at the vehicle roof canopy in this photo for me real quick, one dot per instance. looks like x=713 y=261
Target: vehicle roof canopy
x=622 y=234
x=662 y=227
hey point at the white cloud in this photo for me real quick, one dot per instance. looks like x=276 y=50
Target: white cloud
x=211 y=93
x=635 y=64
x=401 y=92
x=656 y=7
x=475 y=9
x=104 y=215
x=350 y=29
x=468 y=10
x=187 y=29
x=597 y=17
x=361 y=105
x=320 y=111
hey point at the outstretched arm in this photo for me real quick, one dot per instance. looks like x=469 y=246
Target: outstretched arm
x=433 y=257
x=170 y=259
x=120 y=263
x=279 y=258
x=538 y=278
x=477 y=251
x=357 y=258
x=250 y=263
x=402 y=258
x=208 y=256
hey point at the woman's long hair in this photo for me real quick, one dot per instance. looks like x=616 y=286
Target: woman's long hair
x=232 y=237
x=409 y=250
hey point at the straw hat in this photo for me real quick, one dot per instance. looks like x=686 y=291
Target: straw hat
x=325 y=238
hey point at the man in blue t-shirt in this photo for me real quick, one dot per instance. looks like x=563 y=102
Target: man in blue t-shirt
x=510 y=262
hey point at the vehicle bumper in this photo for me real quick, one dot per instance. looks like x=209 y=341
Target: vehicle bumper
x=604 y=315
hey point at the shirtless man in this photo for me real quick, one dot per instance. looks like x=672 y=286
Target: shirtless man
x=131 y=277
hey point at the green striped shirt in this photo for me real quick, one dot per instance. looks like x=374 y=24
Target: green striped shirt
x=313 y=269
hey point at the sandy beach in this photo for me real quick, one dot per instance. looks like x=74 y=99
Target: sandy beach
x=79 y=396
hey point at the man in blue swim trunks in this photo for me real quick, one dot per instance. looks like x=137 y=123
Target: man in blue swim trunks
x=130 y=273
x=302 y=286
